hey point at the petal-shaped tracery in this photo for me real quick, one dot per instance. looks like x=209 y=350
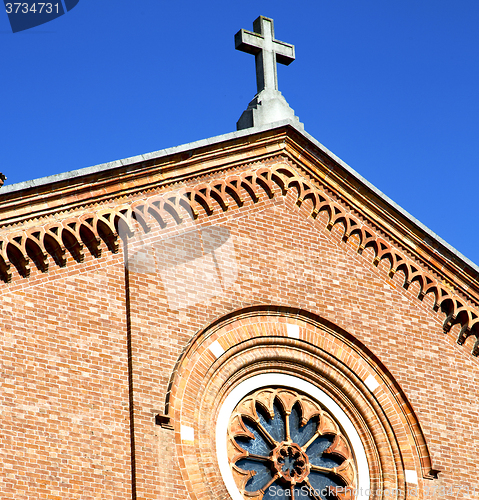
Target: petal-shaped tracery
x=280 y=440
x=274 y=425
x=300 y=432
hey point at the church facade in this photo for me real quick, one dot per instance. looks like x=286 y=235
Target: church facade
x=243 y=317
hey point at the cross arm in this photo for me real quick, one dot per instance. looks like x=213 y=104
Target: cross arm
x=249 y=42
x=284 y=52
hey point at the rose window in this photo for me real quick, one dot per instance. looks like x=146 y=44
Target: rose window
x=282 y=443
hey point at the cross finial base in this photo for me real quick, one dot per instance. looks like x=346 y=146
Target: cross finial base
x=267 y=107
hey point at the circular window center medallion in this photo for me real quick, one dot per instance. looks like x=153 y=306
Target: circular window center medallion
x=290 y=463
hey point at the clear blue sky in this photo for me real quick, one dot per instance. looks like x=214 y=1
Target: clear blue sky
x=390 y=87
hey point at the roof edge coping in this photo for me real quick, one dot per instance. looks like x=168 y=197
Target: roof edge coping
x=73 y=174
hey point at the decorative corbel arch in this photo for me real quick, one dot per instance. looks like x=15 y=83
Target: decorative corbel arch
x=19 y=248
x=264 y=340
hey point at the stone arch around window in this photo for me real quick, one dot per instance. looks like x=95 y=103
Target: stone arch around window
x=322 y=359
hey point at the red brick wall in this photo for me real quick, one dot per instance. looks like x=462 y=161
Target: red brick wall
x=65 y=396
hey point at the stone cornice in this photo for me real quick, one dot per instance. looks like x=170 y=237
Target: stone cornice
x=455 y=272
x=42 y=224
x=97 y=187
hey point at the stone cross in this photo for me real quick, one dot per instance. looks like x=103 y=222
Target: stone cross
x=267 y=51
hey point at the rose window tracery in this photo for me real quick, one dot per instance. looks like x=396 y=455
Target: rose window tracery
x=282 y=443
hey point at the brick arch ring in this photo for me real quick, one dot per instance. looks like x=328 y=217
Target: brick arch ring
x=260 y=341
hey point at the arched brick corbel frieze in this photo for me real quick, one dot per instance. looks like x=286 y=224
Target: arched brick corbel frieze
x=19 y=249
x=255 y=341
